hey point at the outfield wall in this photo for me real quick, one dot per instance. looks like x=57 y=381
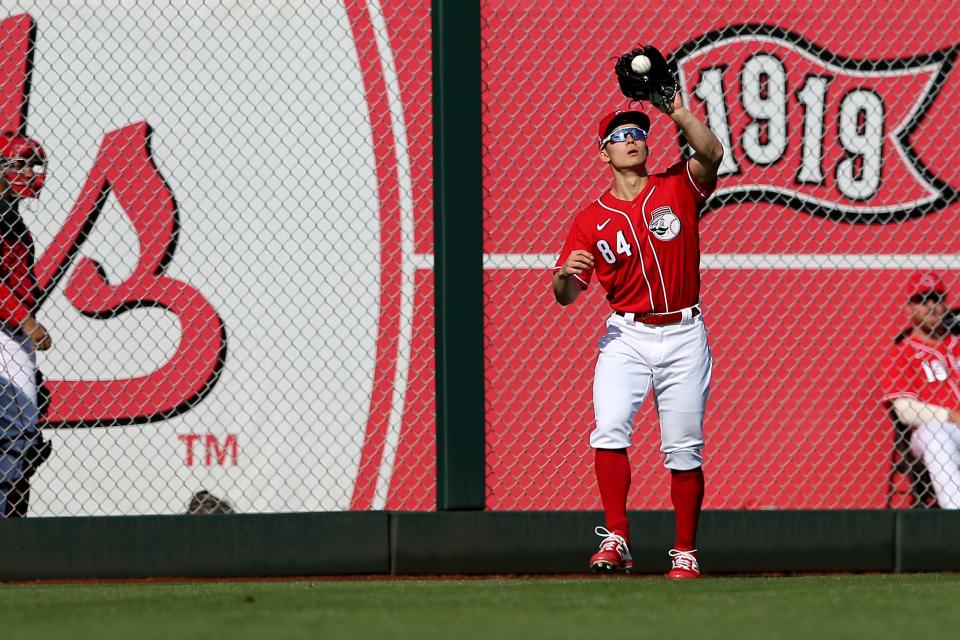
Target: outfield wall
x=515 y=542
x=266 y=278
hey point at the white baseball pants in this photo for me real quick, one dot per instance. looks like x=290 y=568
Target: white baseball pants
x=938 y=445
x=674 y=361
x=18 y=412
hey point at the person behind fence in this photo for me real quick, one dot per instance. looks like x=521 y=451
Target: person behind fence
x=22 y=448
x=922 y=385
x=205 y=503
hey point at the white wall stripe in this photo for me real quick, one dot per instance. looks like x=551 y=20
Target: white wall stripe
x=745 y=261
x=829 y=261
x=407 y=249
x=425 y=261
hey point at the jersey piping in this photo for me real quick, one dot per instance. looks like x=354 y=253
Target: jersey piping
x=656 y=260
x=639 y=255
x=694 y=182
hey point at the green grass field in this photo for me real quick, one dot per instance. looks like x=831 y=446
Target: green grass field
x=912 y=607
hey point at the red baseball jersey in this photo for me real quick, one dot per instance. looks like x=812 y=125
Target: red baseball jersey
x=925 y=372
x=17 y=281
x=646 y=251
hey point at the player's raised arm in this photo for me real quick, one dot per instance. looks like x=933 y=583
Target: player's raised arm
x=707 y=150
x=643 y=74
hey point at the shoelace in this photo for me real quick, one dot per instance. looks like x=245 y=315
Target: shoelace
x=684 y=559
x=611 y=541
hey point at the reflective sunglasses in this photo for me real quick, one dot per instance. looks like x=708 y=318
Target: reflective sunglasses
x=621 y=134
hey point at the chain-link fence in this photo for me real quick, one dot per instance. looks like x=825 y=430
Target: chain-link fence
x=835 y=188
x=232 y=251
x=225 y=255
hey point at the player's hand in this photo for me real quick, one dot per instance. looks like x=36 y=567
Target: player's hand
x=576 y=263
x=37 y=333
x=670 y=109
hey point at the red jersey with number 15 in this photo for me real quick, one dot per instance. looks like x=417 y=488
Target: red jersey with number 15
x=646 y=252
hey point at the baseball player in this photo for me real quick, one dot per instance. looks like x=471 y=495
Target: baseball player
x=923 y=386
x=641 y=240
x=22 y=449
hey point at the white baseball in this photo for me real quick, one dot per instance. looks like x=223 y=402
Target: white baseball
x=640 y=64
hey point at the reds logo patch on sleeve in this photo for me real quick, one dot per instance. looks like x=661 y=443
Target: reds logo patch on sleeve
x=804 y=127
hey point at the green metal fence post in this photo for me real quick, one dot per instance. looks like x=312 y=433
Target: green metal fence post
x=458 y=254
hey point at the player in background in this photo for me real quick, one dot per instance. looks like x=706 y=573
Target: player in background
x=641 y=239
x=22 y=449
x=923 y=386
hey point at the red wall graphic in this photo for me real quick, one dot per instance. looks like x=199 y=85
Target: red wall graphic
x=844 y=180
x=841 y=179
x=123 y=166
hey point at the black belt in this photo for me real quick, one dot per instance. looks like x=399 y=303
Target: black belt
x=658 y=319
